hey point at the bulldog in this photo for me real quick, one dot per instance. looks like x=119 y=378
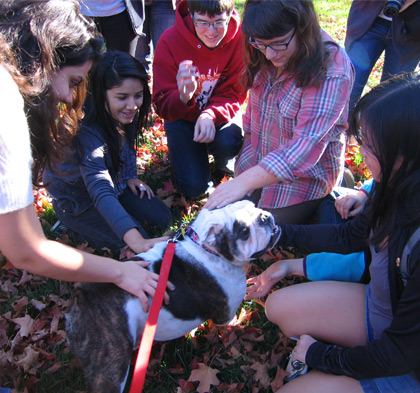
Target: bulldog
x=104 y=324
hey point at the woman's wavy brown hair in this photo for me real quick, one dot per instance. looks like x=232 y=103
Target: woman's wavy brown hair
x=267 y=19
x=37 y=39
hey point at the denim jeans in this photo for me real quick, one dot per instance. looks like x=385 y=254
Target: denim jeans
x=189 y=159
x=90 y=226
x=159 y=15
x=327 y=213
x=118 y=32
x=366 y=51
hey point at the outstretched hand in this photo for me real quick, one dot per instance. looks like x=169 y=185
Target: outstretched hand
x=261 y=284
x=140 y=282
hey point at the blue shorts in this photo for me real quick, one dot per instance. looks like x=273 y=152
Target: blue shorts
x=407 y=383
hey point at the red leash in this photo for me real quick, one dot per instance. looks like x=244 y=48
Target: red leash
x=146 y=343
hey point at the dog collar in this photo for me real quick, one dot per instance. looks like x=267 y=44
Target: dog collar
x=193 y=235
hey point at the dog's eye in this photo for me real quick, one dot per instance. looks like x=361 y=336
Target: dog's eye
x=241 y=230
x=244 y=233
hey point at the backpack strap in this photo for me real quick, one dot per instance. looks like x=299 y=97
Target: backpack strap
x=405 y=258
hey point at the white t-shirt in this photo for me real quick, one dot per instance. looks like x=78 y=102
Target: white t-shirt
x=15 y=150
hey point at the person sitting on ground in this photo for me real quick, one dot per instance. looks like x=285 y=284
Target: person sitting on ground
x=361 y=337
x=96 y=192
x=294 y=124
x=46 y=50
x=196 y=90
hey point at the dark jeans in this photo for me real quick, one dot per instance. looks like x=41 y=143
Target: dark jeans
x=159 y=16
x=327 y=213
x=90 y=226
x=189 y=159
x=366 y=51
x=118 y=32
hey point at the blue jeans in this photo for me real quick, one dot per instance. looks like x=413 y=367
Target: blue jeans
x=118 y=32
x=189 y=159
x=327 y=213
x=366 y=51
x=159 y=15
x=90 y=226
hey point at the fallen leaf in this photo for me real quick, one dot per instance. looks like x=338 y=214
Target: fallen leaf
x=38 y=304
x=29 y=359
x=26 y=325
x=206 y=376
x=261 y=374
x=19 y=306
x=278 y=381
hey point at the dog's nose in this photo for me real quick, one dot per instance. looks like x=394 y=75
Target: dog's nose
x=264 y=218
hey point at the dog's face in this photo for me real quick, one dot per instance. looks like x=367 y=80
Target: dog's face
x=238 y=232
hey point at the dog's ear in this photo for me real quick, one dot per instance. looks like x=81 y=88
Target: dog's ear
x=210 y=237
x=208 y=224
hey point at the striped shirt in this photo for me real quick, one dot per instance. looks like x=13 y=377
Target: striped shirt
x=296 y=134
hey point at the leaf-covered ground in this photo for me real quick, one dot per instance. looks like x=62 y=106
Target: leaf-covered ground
x=245 y=356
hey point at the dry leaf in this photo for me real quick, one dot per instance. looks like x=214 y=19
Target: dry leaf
x=278 y=382
x=29 y=359
x=206 y=376
x=261 y=374
x=26 y=325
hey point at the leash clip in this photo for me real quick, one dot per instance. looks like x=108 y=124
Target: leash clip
x=179 y=234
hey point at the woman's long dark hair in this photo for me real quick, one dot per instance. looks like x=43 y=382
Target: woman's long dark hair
x=388 y=117
x=38 y=38
x=266 y=19
x=109 y=73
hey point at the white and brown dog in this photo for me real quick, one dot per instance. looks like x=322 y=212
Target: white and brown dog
x=104 y=323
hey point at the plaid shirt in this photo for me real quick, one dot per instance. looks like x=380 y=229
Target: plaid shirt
x=296 y=134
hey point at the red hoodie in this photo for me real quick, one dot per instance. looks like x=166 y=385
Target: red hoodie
x=219 y=92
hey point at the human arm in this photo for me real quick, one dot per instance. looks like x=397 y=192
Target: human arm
x=166 y=95
x=236 y=188
x=301 y=129
x=346 y=238
x=395 y=352
x=260 y=285
x=223 y=63
x=353 y=203
x=308 y=142
x=92 y=159
x=315 y=267
x=25 y=246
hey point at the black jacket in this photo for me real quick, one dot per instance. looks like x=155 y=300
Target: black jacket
x=397 y=351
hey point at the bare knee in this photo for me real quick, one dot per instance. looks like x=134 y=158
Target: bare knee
x=281 y=308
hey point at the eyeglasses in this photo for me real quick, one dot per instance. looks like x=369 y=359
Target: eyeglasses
x=275 y=46
x=205 y=25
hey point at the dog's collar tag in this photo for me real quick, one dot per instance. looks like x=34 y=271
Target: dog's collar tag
x=193 y=235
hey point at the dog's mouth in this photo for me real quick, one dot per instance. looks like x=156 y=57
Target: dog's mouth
x=275 y=236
